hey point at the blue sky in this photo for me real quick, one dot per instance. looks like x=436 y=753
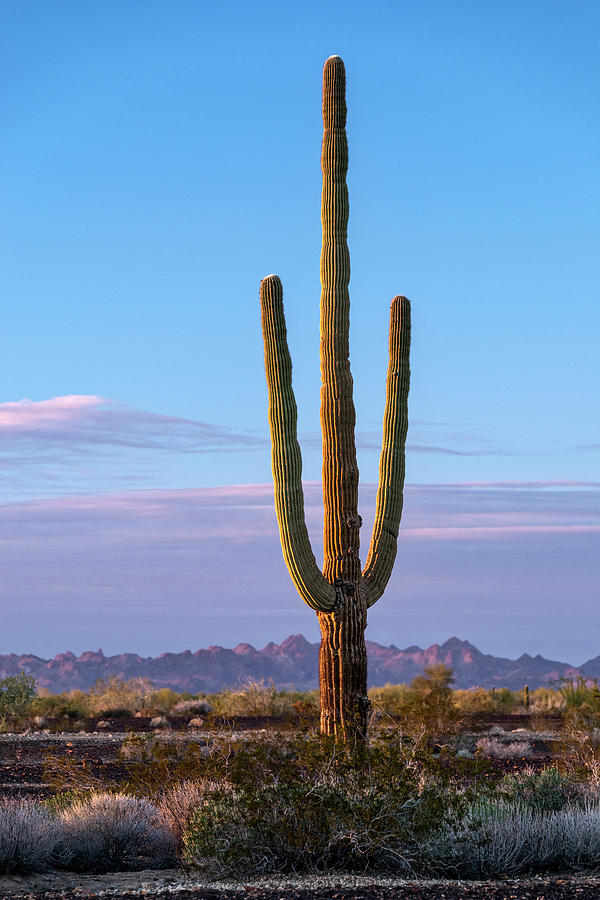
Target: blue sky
x=159 y=159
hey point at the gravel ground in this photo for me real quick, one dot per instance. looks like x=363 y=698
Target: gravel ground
x=68 y=886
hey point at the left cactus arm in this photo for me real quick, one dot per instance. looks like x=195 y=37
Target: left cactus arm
x=286 y=457
x=382 y=551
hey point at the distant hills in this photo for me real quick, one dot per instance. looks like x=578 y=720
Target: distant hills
x=293 y=662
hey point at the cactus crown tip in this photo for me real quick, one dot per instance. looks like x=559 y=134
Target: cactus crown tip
x=334 y=60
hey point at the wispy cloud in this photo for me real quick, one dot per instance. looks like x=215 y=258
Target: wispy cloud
x=79 y=423
x=450 y=439
x=79 y=442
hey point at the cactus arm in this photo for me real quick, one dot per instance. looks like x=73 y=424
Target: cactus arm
x=286 y=457
x=382 y=551
x=340 y=469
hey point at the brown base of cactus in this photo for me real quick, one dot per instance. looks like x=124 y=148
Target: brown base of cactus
x=343 y=672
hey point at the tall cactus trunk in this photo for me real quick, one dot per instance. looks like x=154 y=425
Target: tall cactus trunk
x=341 y=594
x=343 y=655
x=343 y=673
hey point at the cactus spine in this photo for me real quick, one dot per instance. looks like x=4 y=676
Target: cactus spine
x=340 y=594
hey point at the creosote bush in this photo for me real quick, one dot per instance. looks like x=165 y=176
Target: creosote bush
x=16 y=695
x=543 y=792
x=70 y=705
x=306 y=804
x=257 y=698
x=426 y=708
x=296 y=827
x=116 y=697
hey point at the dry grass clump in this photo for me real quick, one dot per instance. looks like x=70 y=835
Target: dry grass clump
x=29 y=837
x=177 y=805
x=114 y=832
x=501 y=839
x=199 y=707
x=489 y=746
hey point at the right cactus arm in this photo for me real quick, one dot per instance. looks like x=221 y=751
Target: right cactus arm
x=286 y=457
x=382 y=551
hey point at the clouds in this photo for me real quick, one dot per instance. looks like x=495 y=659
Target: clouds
x=513 y=567
x=78 y=422
x=81 y=442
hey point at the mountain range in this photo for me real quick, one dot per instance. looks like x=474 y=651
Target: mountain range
x=293 y=662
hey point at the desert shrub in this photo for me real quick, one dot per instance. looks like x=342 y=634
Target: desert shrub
x=473 y=701
x=29 y=837
x=159 y=722
x=156 y=763
x=578 y=748
x=118 y=697
x=489 y=746
x=193 y=707
x=581 y=695
x=302 y=803
x=254 y=698
x=66 y=775
x=430 y=707
x=426 y=707
x=70 y=705
x=503 y=700
x=546 y=700
x=501 y=839
x=16 y=694
x=391 y=699
x=177 y=804
x=480 y=700
x=113 y=832
x=542 y=792
x=327 y=824
x=162 y=701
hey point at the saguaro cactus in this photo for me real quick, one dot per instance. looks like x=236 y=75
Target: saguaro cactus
x=340 y=594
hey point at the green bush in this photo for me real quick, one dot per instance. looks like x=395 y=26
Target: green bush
x=480 y=700
x=424 y=708
x=305 y=804
x=258 y=698
x=546 y=700
x=542 y=792
x=391 y=699
x=118 y=697
x=300 y=827
x=431 y=709
x=69 y=705
x=16 y=695
x=162 y=701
